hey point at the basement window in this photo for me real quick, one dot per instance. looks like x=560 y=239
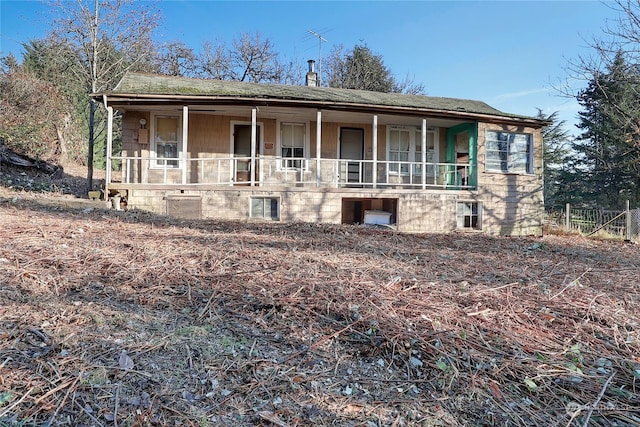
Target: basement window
x=265 y=208
x=469 y=215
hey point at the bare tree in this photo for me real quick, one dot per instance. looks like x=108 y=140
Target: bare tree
x=175 y=58
x=251 y=58
x=620 y=36
x=212 y=60
x=409 y=86
x=112 y=37
x=335 y=66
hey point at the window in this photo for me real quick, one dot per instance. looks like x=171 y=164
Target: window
x=399 y=150
x=405 y=145
x=432 y=148
x=166 y=140
x=292 y=145
x=468 y=215
x=509 y=152
x=264 y=207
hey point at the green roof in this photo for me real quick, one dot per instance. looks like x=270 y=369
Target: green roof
x=139 y=85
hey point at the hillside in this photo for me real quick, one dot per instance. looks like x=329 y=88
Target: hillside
x=133 y=319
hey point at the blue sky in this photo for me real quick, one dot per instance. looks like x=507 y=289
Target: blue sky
x=509 y=54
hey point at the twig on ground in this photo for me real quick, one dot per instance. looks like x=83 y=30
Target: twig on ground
x=64 y=400
x=94 y=419
x=8 y=409
x=595 y=403
x=496 y=288
x=116 y=406
x=571 y=284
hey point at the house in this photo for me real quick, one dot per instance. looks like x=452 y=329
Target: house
x=198 y=148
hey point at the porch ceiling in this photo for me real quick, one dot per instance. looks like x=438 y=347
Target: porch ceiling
x=300 y=114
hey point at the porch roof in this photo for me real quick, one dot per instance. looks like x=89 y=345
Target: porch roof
x=141 y=88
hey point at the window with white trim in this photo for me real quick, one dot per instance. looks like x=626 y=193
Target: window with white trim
x=293 y=145
x=399 y=150
x=509 y=152
x=264 y=208
x=166 y=141
x=469 y=215
x=404 y=144
x=432 y=150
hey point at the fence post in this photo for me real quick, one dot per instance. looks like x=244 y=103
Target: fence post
x=627 y=234
x=567 y=218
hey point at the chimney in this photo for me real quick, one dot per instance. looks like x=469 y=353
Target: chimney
x=312 y=76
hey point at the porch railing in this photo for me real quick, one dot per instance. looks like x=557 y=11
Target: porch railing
x=294 y=172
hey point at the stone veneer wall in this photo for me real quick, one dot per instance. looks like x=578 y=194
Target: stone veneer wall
x=417 y=211
x=513 y=204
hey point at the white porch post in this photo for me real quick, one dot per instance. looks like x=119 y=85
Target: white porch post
x=185 y=137
x=318 y=145
x=424 y=153
x=107 y=180
x=374 y=172
x=254 y=113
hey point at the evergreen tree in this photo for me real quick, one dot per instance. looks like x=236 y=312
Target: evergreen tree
x=8 y=63
x=556 y=140
x=608 y=149
x=362 y=69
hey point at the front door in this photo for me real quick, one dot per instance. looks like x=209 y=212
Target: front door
x=352 y=148
x=242 y=151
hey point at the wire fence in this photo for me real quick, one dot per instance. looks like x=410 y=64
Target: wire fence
x=624 y=224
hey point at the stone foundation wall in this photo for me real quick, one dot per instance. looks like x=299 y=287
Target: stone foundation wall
x=417 y=211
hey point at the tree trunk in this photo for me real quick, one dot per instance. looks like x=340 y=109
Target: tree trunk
x=93 y=66
x=63 y=152
x=92 y=118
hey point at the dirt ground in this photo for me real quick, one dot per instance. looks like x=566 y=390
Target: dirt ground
x=124 y=318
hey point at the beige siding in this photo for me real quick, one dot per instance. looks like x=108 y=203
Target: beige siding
x=210 y=136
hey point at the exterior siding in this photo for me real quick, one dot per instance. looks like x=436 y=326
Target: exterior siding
x=210 y=136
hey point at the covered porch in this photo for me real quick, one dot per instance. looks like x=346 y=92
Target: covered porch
x=207 y=146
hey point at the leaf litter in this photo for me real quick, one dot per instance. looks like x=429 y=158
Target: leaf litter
x=135 y=319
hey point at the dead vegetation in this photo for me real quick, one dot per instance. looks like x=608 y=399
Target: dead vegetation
x=131 y=319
